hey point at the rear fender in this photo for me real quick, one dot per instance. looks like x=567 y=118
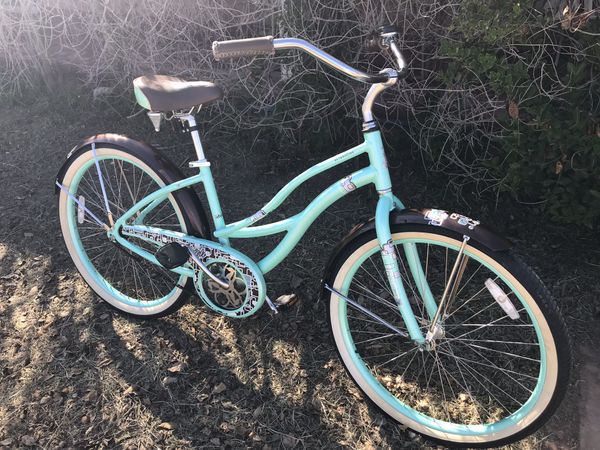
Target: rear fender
x=168 y=172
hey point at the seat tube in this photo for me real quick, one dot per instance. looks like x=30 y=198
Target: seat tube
x=213 y=201
x=392 y=269
x=207 y=179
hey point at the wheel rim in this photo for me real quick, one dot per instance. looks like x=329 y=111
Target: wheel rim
x=424 y=418
x=133 y=285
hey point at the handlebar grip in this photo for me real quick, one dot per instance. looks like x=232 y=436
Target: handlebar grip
x=243 y=47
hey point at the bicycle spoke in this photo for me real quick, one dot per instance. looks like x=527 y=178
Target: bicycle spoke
x=125 y=184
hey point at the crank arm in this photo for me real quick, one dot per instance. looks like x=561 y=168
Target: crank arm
x=372 y=315
x=208 y=273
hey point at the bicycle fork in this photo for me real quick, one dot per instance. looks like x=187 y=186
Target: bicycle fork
x=392 y=268
x=391 y=261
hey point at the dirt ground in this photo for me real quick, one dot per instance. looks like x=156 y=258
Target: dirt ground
x=76 y=375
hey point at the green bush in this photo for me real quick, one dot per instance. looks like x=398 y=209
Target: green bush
x=545 y=70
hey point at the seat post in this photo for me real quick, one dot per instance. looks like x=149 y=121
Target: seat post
x=193 y=127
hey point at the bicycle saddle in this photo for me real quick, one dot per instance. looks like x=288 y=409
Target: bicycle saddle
x=166 y=93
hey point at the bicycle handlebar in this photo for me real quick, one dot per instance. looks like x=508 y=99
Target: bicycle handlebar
x=267 y=46
x=286 y=43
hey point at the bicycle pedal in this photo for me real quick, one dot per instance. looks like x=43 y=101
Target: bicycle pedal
x=172 y=255
x=286 y=300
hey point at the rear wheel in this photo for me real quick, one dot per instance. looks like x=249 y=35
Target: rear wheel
x=489 y=379
x=128 y=283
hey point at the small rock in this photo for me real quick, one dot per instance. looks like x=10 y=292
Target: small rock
x=219 y=388
x=6 y=442
x=241 y=430
x=286 y=300
x=296 y=281
x=169 y=380
x=28 y=235
x=68 y=292
x=216 y=441
x=91 y=396
x=28 y=441
x=85 y=420
x=104 y=316
x=129 y=391
x=166 y=426
x=45 y=399
x=177 y=368
x=257 y=412
x=289 y=441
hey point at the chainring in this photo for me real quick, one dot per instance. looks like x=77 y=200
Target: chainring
x=242 y=295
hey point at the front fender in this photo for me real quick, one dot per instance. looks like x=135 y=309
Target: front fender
x=453 y=223
x=167 y=171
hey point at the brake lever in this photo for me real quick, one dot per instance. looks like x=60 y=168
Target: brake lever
x=388 y=40
x=399 y=58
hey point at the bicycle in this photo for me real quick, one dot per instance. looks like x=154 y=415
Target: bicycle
x=436 y=320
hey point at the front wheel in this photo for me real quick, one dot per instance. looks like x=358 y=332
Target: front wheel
x=498 y=369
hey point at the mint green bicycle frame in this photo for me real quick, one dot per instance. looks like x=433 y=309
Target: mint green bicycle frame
x=295 y=227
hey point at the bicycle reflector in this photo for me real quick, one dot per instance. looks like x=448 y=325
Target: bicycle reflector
x=502 y=299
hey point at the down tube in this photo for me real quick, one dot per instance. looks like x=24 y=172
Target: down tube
x=301 y=221
x=390 y=262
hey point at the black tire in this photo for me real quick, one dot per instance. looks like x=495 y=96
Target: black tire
x=525 y=276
